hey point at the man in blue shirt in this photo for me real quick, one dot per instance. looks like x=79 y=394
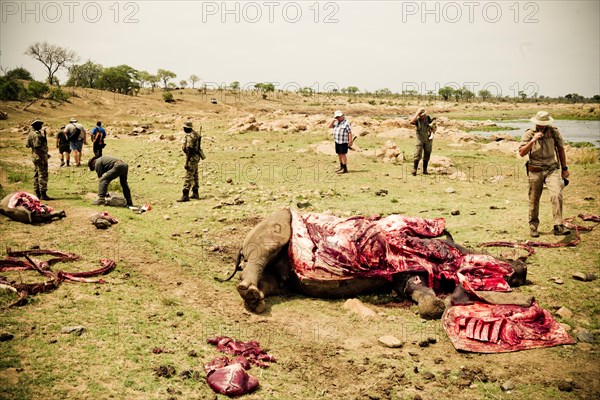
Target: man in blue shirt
x=342 y=136
x=98 y=136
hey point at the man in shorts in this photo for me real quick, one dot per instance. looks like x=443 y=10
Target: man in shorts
x=342 y=136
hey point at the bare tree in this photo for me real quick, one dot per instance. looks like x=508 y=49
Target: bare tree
x=53 y=57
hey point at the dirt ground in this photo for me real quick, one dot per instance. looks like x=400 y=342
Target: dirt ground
x=162 y=294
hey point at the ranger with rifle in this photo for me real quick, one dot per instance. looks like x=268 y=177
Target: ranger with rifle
x=193 y=155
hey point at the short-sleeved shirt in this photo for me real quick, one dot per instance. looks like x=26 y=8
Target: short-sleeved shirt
x=70 y=129
x=106 y=163
x=63 y=141
x=423 y=130
x=543 y=152
x=341 y=131
x=99 y=130
x=38 y=143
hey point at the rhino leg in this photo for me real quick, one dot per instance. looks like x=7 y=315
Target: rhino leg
x=261 y=247
x=430 y=307
x=41 y=218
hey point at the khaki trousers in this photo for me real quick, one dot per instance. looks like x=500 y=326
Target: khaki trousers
x=554 y=183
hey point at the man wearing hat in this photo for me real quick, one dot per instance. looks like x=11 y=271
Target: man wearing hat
x=193 y=153
x=342 y=136
x=547 y=165
x=108 y=169
x=425 y=130
x=77 y=137
x=38 y=143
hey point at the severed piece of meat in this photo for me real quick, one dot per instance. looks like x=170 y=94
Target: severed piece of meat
x=493 y=328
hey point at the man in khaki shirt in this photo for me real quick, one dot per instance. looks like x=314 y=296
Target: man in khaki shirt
x=544 y=144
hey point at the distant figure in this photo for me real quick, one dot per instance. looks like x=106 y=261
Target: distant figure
x=63 y=146
x=544 y=144
x=77 y=137
x=342 y=136
x=38 y=143
x=424 y=143
x=192 y=147
x=98 y=136
x=108 y=169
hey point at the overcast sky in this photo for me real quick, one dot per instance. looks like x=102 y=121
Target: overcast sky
x=548 y=47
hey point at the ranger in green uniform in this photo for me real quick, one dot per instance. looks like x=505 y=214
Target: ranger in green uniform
x=193 y=153
x=544 y=144
x=424 y=144
x=38 y=143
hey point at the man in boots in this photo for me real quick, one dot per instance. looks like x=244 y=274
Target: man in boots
x=193 y=153
x=342 y=136
x=424 y=142
x=38 y=143
x=64 y=147
x=108 y=169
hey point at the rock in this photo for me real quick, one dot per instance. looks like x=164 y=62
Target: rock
x=580 y=276
x=424 y=343
x=3 y=115
x=450 y=190
x=508 y=385
x=428 y=376
x=566 y=385
x=356 y=306
x=77 y=330
x=5 y=337
x=166 y=217
x=566 y=327
x=455 y=212
x=585 y=336
x=438 y=360
x=390 y=341
x=564 y=313
x=559 y=281
x=303 y=204
x=382 y=192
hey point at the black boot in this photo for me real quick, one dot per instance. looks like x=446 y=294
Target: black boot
x=129 y=202
x=415 y=166
x=195 y=193
x=425 y=167
x=185 y=197
x=38 y=194
x=341 y=168
x=45 y=196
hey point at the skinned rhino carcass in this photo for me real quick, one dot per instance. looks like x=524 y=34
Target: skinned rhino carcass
x=26 y=208
x=330 y=257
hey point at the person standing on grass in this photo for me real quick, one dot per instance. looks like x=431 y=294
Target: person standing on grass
x=547 y=165
x=192 y=148
x=98 y=135
x=424 y=143
x=342 y=136
x=38 y=143
x=63 y=146
x=78 y=137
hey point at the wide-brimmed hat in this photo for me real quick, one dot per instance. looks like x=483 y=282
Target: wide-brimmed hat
x=37 y=121
x=188 y=125
x=542 y=118
x=338 y=113
x=72 y=120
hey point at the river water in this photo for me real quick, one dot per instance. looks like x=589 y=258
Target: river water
x=571 y=130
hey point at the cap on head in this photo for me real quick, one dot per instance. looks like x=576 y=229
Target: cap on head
x=542 y=118
x=72 y=120
x=188 y=125
x=338 y=113
x=37 y=121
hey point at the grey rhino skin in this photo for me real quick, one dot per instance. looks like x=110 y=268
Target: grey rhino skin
x=266 y=270
x=23 y=215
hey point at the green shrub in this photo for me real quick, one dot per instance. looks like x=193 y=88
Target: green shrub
x=11 y=89
x=59 y=95
x=168 y=97
x=37 y=89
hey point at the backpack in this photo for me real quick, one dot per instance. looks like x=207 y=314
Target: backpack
x=75 y=136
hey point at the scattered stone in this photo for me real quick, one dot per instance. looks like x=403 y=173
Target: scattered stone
x=390 y=341
x=356 y=306
x=77 y=330
x=424 y=343
x=413 y=354
x=580 y=276
x=585 y=336
x=428 y=375
x=381 y=192
x=438 y=360
x=473 y=386
x=508 y=385
x=564 y=313
x=5 y=337
x=588 y=198
x=432 y=340
x=303 y=204
x=450 y=190
x=566 y=385
x=455 y=212
x=566 y=327
x=180 y=313
x=165 y=371
x=559 y=281
x=166 y=217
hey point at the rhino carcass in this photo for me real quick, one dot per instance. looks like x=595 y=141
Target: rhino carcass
x=26 y=208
